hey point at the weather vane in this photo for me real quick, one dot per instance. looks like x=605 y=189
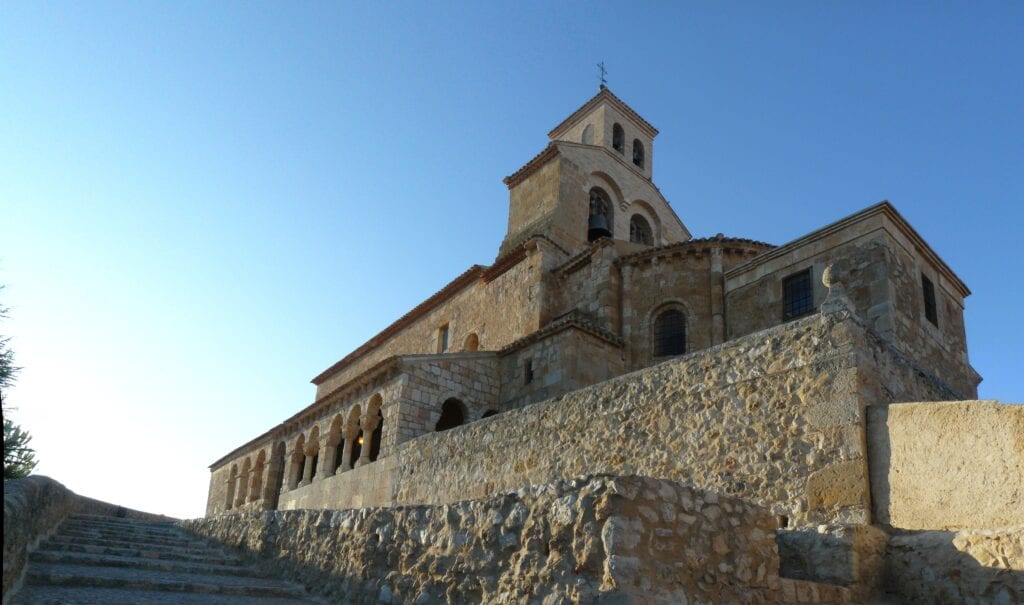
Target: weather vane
x=604 y=72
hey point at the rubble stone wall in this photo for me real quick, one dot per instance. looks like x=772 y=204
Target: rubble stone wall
x=775 y=417
x=604 y=539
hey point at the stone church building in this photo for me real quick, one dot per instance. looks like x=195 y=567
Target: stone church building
x=597 y=277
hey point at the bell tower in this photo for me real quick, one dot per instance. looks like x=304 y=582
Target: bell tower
x=593 y=180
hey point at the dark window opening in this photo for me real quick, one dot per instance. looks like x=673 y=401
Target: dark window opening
x=528 y=372
x=930 y=311
x=618 y=139
x=670 y=333
x=451 y=415
x=377 y=434
x=638 y=153
x=357 y=449
x=490 y=413
x=640 y=231
x=316 y=460
x=797 y=295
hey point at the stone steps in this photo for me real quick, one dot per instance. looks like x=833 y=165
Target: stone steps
x=107 y=560
x=74 y=558
x=63 y=595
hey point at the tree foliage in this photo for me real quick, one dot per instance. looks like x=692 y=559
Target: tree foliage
x=19 y=459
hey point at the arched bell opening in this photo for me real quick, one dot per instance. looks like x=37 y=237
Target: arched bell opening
x=600 y=222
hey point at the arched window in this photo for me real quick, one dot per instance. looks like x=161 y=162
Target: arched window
x=640 y=231
x=588 y=135
x=472 y=342
x=601 y=215
x=638 y=153
x=618 y=139
x=670 y=333
x=357 y=449
x=451 y=415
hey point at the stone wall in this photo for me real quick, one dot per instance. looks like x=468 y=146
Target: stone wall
x=880 y=260
x=564 y=360
x=592 y=539
x=431 y=380
x=517 y=292
x=947 y=465
x=33 y=509
x=686 y=277
x=775 y=417
x=967 y=567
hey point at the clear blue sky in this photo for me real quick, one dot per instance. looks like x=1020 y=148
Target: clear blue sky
x=203 y=205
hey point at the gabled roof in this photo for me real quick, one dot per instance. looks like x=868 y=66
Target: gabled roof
x=468 y=278
x=604 y=95
x=883 y=208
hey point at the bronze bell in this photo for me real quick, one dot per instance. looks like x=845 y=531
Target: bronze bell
x=597 y=227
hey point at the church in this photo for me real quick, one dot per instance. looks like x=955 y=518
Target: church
x=597 y=278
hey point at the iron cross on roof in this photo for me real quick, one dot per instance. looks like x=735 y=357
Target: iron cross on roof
x=603 y=72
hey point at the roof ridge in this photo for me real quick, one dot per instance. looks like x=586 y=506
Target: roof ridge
x=604 y=93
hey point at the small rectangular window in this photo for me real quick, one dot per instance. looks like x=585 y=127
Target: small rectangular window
x=797 y=295
x=442 y=339
x=528 y=372
x=928 y=288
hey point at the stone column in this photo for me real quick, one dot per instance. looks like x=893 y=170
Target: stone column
x=240 y=489
x=229 y=491
x=307 y=467
x=369 y=424
x=270 y=476
x=329 y=447
x=717 y=295
x=256 y=483
x=346 y=451
x=293 y=460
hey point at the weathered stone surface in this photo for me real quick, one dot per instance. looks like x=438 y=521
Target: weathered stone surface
x=947 y=465
x=843 y=555
x=586 y=540
x=970 y=567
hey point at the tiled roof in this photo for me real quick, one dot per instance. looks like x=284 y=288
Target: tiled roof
x=604 y=94
x=692 y=243
x=471 y=275
x=536 y=161
x=572 y=319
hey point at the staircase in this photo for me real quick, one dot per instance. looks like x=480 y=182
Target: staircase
x=107 y=560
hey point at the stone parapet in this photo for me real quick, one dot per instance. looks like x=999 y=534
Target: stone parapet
x=590 y=539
